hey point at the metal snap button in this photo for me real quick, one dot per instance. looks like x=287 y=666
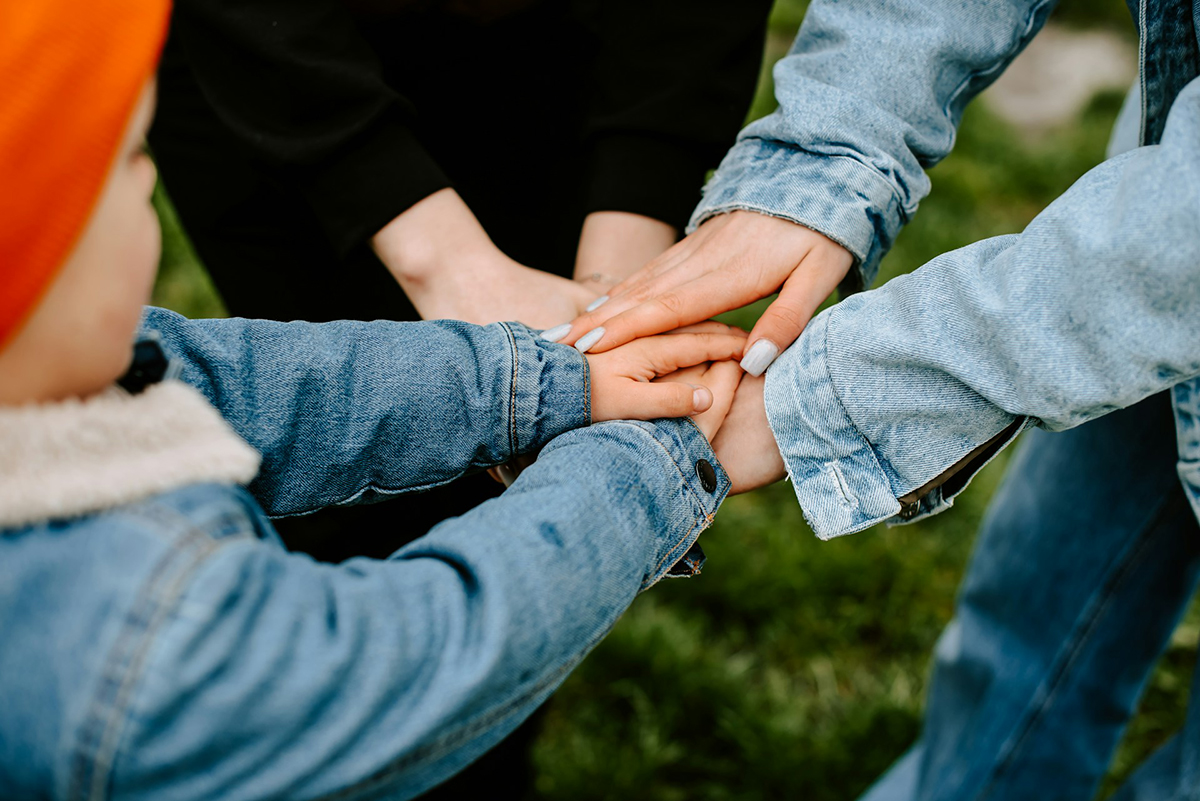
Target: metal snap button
x=707 y=474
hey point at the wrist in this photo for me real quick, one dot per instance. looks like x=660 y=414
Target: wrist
x=433 y=239
x=615 y=244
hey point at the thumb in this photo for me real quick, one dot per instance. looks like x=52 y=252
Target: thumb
x=813 y=280
x=779 y=326
x=649 y=401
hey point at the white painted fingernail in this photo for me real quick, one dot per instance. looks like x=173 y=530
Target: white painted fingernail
x=556 y=333
x=597 y=303
x=589 y=339
x=759 y=357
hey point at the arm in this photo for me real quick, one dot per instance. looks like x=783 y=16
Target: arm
x=343 y=411
x=346 y=412
x=814 y=194
x=891 y=399
x=299 y=87
x=671 y=84
x=382 y=678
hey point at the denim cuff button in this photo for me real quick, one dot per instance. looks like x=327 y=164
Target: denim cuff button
x=708 y=476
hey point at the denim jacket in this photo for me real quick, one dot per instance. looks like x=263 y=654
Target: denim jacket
x=159 y=642
x=1094 y=306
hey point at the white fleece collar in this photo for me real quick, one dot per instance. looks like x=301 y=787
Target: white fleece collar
x=77 y=457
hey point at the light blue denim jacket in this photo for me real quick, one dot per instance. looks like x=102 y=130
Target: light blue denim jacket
x=1093 y=307
x=170 y=648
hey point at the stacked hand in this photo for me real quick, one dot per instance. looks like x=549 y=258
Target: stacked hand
x=730 y=261
x=690 y=372
x=450 y=269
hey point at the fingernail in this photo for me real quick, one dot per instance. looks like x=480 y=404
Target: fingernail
x=556 y=333
x=597 y=303
x=759 y=357
x=590 y=338
x=701 y=397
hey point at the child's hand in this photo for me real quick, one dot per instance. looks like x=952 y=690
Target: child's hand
x=722 y=379
x=621 y=377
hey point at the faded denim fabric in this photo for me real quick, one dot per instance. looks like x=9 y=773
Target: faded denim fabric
x=1092 y=308
x=172 y=649
x=1086 y=325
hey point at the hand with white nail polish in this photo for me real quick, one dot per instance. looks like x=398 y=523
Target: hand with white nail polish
x=623 y=379
x=730 y=261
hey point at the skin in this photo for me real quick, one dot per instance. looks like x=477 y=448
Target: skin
x=730 y=261
x=613 y=245
x=450 y=269
x=77 y=341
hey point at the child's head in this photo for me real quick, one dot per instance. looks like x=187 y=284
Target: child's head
x=79 y=241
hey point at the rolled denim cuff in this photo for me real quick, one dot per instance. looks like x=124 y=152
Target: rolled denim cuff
x=675 y=469
x=550 y=391
x=843 y=198
x=838 y=479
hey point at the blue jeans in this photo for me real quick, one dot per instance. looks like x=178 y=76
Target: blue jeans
x=1086 y=561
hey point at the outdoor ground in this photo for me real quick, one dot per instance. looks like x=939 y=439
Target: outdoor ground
x=793 y=668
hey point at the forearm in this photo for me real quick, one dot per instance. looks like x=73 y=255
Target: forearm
x=869 y=97
x=1092 y=308
x=615 y=244
x=395 y=674
x=344 y=411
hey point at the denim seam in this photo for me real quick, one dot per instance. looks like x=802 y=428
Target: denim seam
x=1044 y=699
x=512 y=391
x=999 y=66
x=655 y=576
x=780 y=145
x=682 y=474
x=125 y=661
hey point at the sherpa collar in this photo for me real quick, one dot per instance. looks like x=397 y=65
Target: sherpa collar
x=76 y=457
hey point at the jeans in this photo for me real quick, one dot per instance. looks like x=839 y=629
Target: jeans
x=1085 y=563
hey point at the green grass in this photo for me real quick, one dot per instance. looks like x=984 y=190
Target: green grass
x=793 y=668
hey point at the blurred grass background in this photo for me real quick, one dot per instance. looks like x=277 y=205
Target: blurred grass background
x=793 y=668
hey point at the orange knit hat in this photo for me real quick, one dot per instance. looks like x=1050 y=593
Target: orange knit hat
x=70 y=76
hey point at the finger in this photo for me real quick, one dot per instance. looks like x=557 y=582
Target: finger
x=655 y=278
x=722 y=380
x=710 y=327
x=669 y=352
x=690 y=303
x=668 y=399
x=784 y=320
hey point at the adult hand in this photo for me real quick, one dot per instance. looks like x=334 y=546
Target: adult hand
x=744 y=444
x=615 y=244
x=728 y=262
x=449 y=268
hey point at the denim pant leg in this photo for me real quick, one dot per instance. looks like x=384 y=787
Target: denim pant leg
x=1085 y=563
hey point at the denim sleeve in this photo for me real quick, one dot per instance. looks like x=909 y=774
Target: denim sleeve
x=1093 y=307
x=870 y=95
x=379 y=679
x=346 y=412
